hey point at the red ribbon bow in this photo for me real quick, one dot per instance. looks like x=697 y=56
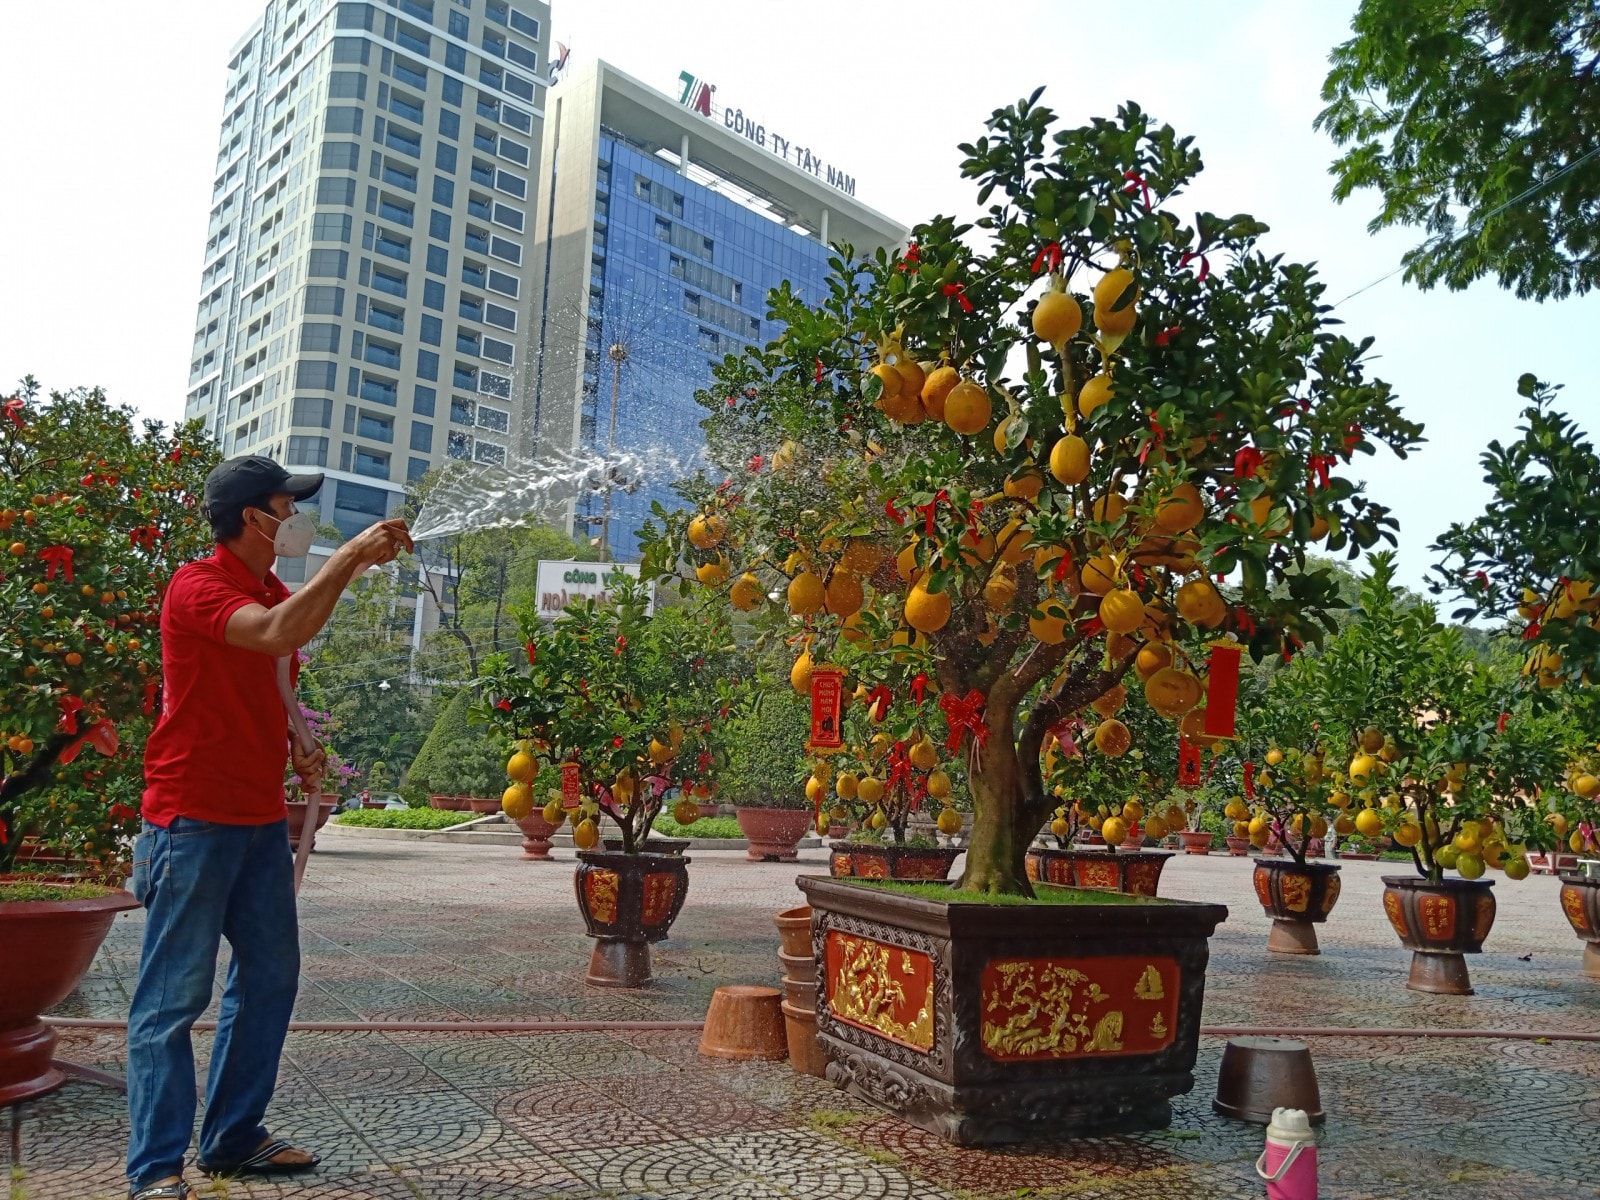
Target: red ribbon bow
x=1353 y=437
x=1190 y=256
x=1049 y=257
x=1167 y=334
x=819 y=368
x=57 y=558
x=1500 y=725
x=919 y=685
x=927 y=510
x=878 y=701
x=13 y=409
x=893 y=513
x=1158 y=435
x=504 y=706
x=150 y=690
x=1246 y=461
x=1136 y=183
x=899 y=766
x=102 y=735
x=959 y=291
x=964 y=714
x=1318 y=465
x=71 y=706
x=533 y=652
x=146 y=536
x=912 y=258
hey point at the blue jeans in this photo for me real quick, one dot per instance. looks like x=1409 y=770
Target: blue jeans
x=201 y=882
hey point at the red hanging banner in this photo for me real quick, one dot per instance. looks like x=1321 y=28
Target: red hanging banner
x=571 y=785
x=1188 y=763
x=827 y=705
x=1222 y=691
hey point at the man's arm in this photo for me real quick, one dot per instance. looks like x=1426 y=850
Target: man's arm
x=286 y=627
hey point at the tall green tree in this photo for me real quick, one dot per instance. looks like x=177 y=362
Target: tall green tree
x=1479 y=121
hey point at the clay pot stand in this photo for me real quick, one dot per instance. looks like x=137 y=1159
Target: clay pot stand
x=627 y=902
x=1298 y=899
x=931 y=1010
x=1439 y=923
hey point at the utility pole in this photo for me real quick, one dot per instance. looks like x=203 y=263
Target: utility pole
x=618 y=353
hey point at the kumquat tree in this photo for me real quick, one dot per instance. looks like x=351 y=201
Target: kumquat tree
x=1018 y=453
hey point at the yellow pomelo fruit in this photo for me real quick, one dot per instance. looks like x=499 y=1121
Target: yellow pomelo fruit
x=1109 y=507
x=1113 y=287
x=1586 y=785
x=1057 y=318
x=1012 y=542
x=912 y=380
x=661 y=752
x=999 y=592
x=1361 y=768
x=517 y=801
x=1516 y=868
x=1095 y=392
x=1025 y=486
x=745 y=594
x=890 y=378
x=976 y=547
x=949 y=822
x=1181 y=511
x=843 y=595
x=925 y=611
x=1114 y=830
x=1110 y=701
x=1069 y=459
x=1121 y=610
x=686 y=812
x=904 y=407
x=1155 y=828
x=1099 y=575
x=967 y=408
x=585 y=834
x=554 y=814
x=522 y=767
x=870 y=789
x=1371 y=739
x=806 y=594
x=1051 y=627
x=712 y=574
x=1368 y=823
x=1111 y=738
x=936 y=389
x=1201 y=604
x=923 y=756
x=1407 y=833
x=800 y=674
x=1151 y=659
x=1172 y=692
x=905 y=564
x=706 y=531
x=845 y=785
x=938 y=784
x=1469 y=866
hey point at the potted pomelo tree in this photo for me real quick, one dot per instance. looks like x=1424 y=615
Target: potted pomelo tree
x=1027 y=447
x=96 y=512
x=626 y=707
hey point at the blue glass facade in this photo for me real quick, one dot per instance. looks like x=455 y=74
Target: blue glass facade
x=680 y=277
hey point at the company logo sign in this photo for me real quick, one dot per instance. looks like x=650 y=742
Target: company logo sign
x=561 y=582
x=696 y=93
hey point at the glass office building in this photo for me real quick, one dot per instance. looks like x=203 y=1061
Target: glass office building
x=659 y=233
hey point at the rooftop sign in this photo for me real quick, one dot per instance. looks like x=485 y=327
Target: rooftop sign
x=696 y=95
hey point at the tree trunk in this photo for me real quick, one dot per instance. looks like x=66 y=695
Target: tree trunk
x=999 y=839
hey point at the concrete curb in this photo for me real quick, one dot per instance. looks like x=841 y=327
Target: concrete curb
x=483 y=835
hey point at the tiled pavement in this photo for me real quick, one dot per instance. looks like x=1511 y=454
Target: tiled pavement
x=394 y=931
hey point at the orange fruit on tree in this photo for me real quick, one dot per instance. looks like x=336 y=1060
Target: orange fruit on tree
x=1100 y=574
x=1114 y=830
x=923 y=756
x=1201 y=604
x=870 y=789
x=1115 y=302
x=685 y=812
x=967 y=408
x=1172 y=692
x=1025 y=485
x=936 y=390
x=925 y=611
x=517 y=801
x=1069 y=459
x=1012 y=542
x=800 y=673
x=949 y=822
x=714 y=573
x=74 y=659
x=1368 y=823
x=1193 y=726
x=905 y=563
x=976 y=547
x=1112 y=699
x=999 y=591
x=844 y=595
x=912 y=380
x=806 y=594
x=1095 y=392
x=706 y=531
x=938 y=784
x=888 y=377
x=521 y=767
x=1109 y=507
x=746 y=593
x=1121 y=610
x=1182 y=510
x=18 y=549
x=585 y=834
x=1057 y=318
x=1152 y=658
x=1050 y=624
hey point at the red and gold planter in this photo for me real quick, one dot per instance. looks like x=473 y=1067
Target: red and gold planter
x=989 y=1024
x=1298 y=899
x=872 y=860
x=1580 y=901
x=627 y=902
x=1137 y=872
x=1439 y=923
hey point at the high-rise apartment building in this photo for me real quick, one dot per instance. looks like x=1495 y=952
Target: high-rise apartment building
x=659 y=228
x=366 y=283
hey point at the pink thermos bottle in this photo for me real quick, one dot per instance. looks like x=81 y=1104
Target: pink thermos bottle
x=1289 y=1163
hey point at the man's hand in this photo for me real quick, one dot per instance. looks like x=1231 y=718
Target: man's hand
x=309 y=767
x=377 y=544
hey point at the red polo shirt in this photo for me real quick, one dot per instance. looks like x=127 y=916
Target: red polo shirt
x=220 y=746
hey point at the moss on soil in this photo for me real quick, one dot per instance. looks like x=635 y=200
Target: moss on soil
x=405 y=818
x=11 y=893
x=1044 y=893
x=705 y=827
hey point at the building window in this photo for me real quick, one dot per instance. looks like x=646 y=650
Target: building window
x=496 y=419
x=391 y=282
x=432 y=330
x=471 y=308
x=369 y=462
x=347 y=85
x=505 y=248
x=422 y=401
x=523 y=23
x=499 y=351
x=465 y=377
x=379 y=391
x=342 y=118
x=398 y=176
x=319 y=375
x=459 y=445
x=416 y=468
x=404 y=141
x=317 y=338
x=522 y=55
x=449 y=125
x=461 y=411
x=313 y=410
x=409 y=72
x=392 y=319
x=307 y=451
x=409 y=107
x=515 y=151
x=496 y=314
x=375 y=428
x=506 y=285
x=336 y=189
x=401 y=212
x=340 y=156
x=472 y=274
x=433 y=294
x=322 y=299
x=359 y=498
x=444 y=191
x=422 y=436
x=458 y=25
x=439 y=225
x=451 y=91
x=516 y=118
x=444 y=158
x=491 y=384
x=519 y=87
x=487 y=452
x=510 y=183
x=466 y=342
x=382 y=354
x=392 y=245
x=505 y=215
x=427 y=365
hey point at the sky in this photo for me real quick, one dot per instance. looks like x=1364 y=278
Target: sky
x=112 y=109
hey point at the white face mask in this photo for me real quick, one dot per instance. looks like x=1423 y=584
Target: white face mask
x=295 y=535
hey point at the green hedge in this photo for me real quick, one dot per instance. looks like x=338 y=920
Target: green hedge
x=404 y=818
x=451 y=727
x=767 y=752
x=705 y=827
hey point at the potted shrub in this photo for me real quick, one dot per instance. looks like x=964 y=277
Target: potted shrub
x=96 y=512
x=1010 y=460
x=627 y=708
x=764 y=773
x=1436 y=749
x=469 y=771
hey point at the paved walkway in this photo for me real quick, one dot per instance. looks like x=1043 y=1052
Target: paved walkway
x=394 y=931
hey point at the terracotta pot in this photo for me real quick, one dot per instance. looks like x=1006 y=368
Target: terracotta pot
x=627 y=902
x=1238 y=847
x=874 y=860
x=1580 y=901
x=708 y=808
x=1195 y=841
x=794 y=930
x=744 y=1022
x=1085 y=838
x=1136 y=872
x=836 y=829
x=932 y=1009
x=374 y=804
x=802 y=993
x=46 y=946
x=536 y=834
x=805 y=1051
x=773 y=833
x=1297 y=899
x=1439 y=923
x=802 y=968
x=483 y=805
x=297 y=818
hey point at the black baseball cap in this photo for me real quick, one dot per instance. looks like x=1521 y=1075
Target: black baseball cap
x=240 y=481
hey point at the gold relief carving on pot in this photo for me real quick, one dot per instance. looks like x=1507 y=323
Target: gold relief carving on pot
x=871 y=866
x=1572 y=905
x=1296 y=890
x=841 y=866
x=1143 y=878
x=1263 y=882
x=1483 y=918
x=659 y=889
x=1097 y=874
x=1396 y=912
x=601 y=889
x=1438 y=917
x=887 y=990
x=1050 y=1008
x=1330 y=893
x=922 y=867
x=1031 y=866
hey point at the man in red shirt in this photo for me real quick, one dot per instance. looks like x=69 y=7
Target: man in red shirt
x=213 y=860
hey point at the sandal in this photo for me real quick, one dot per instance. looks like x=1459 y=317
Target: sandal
x=260 y=1163
x=164 y=1191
